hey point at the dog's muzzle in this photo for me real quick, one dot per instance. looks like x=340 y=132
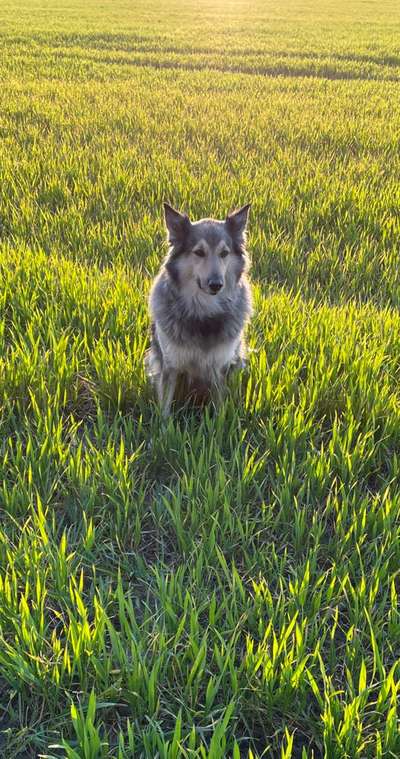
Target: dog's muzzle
x=215 y=285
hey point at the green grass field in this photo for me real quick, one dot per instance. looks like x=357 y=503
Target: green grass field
x=225 y=585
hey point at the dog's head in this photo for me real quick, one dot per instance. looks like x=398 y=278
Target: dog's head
x=208 y=254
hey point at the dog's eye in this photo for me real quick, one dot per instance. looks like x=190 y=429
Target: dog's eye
x=199 y=252
x=224 y=253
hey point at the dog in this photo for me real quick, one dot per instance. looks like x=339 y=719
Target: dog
x=200 y=303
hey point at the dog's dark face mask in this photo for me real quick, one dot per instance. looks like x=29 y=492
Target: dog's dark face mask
x=208 y=253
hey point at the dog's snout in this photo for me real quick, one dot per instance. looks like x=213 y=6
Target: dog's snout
x=215 y=285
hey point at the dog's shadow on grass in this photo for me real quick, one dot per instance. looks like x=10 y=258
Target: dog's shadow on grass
x=193 y=426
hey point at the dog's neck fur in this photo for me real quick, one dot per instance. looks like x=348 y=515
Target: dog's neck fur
x=197 y=303
x=191 y=316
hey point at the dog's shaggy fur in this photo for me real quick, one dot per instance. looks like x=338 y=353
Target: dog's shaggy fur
x=199 y=304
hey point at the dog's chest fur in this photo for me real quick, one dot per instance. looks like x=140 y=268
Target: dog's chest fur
x=196 y=359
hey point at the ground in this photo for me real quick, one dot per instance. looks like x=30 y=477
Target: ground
x=225 y=585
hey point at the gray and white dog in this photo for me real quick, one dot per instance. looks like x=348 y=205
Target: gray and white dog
x=199 y=304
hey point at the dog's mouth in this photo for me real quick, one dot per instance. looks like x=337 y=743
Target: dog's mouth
x=208 y=290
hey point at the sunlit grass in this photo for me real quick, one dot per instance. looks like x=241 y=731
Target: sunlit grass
x=226 y=584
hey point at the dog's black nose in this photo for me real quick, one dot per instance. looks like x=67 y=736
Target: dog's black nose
x=215 y=285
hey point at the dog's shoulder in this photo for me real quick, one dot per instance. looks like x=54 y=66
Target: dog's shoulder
x=161 y=294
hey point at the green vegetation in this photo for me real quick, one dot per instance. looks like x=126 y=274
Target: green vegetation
x=225 y=585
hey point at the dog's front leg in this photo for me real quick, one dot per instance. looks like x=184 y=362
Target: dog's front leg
x=166 y=390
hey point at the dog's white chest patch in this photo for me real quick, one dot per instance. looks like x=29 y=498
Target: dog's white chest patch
x=196 y=362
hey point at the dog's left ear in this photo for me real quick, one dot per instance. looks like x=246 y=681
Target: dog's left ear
x=236 y=221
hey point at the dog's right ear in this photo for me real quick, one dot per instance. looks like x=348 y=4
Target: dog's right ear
x=237 y=221
x=178 y=224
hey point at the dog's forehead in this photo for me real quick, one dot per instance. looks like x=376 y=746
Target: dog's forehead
x=210 y=230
